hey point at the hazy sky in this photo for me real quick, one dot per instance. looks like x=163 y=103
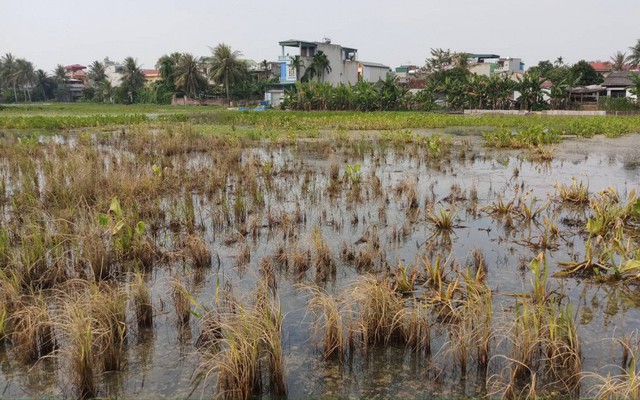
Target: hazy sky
x=50 y=32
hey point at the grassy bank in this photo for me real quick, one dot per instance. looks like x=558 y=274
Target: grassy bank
x=66 y=116
x=60 y=109
x=567 y=125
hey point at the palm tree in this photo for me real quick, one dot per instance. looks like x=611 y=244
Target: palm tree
x=320 y=65
x=226 y=67
x=167 y=65
x=132 y=78
x=619 y=61
x=25 y=75
x=97 y=73
x=60 y=73
x=44 y=83
x=188 y=76
x=8 y=72
x=107 y=91
x=60 y=77
x=634 y=57
x=297 y=63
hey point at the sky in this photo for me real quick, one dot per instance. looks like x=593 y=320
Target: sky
x=51 y=32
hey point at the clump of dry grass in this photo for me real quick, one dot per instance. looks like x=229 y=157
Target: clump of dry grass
x=408 y=189
x=109 y=308
x=98 y=257
x=376 y=306
x=267 y=271
x=330 y=313
x=197 y=250
x=577 y=192
x=181 y=301
x=413 y=323
x=32 y=328
x=80 y=332
x=244 y=254
x=249 y=335
x=142 y=304
x=323 y=261
x=624 y=385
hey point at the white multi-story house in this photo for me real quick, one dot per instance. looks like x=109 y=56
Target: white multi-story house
x=344 y=66
x=113 y=71
x=493 y=64
x=342 y=61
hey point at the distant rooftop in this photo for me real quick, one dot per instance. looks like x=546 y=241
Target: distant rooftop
x=75 y=67
x=297 y=43
x=305 y=43
x=620 y=78
x=483 y=56
x=373 y=64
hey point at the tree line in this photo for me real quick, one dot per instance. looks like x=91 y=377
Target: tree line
x=181 y=74
x=448 y=82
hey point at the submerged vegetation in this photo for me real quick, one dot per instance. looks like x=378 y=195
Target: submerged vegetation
x=255 y=243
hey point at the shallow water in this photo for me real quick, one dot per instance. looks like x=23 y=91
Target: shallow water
x=161 y=362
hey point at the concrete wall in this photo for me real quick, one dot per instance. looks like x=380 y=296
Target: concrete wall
x=342 y=71
x=549 y=112
x=373 y=73
x=112 y=76
x=481 y=69
x=185 y=101
x=274 y=97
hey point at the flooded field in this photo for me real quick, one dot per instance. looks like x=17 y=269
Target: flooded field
x=163 y=262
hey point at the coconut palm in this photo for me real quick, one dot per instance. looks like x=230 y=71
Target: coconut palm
x=44 y=82
x=60 y=74
x=107 y=91
x=24 y=76
x=634 y=57
x=97 y=73
x=167 y=65
x=320 y=65
x=60 y=77
x=619 y=61
x=132 y=78
x=297 y=63
x=226 y=67
x=188 y=76
x=8 y=73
